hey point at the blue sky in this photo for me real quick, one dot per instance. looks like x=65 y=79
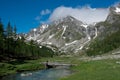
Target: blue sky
x=28 y=14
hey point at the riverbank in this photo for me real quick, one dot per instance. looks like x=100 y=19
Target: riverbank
x=15 y=66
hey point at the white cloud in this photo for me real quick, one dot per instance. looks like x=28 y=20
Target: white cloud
x=85 y=14
x=42 y=14
x=45 y=12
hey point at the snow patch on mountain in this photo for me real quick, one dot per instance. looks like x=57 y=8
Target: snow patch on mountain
x=64 y=37
x=88 y=37
x=34 y=29
x=82 y=45
x=84 y=25
x=51 y=36
x=64 y=29
x=49 y=43
x=43 y=27
x=39 y=40
x=117 y=10
x=29 y=38
x=96 y=33
x=71 y=43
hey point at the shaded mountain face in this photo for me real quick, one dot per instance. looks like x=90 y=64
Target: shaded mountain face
x=108 y=34
x=64 y=35
x=111 y=24
x=114 y=15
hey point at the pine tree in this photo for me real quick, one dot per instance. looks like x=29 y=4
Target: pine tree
x=1 y=29
x=14 y=31
x=9 y=35
x=9 y=30
x=32 y=47
x=1 y=37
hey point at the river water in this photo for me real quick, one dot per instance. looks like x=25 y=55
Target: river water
x=47 y=74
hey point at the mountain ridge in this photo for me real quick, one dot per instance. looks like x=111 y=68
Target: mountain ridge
x=69 y=35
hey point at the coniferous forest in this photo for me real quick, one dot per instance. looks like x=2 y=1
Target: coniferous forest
x=14 y=47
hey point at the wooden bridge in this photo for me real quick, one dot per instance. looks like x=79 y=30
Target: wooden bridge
x=55 y=64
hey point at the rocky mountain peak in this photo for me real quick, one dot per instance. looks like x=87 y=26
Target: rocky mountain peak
x=115 y=9
x=69 y=18
x=66 y=19
x=114 y=14
x=67 y=34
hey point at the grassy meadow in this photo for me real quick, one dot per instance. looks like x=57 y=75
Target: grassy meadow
x=95 y=70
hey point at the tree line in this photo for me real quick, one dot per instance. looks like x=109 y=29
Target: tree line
x=13 y=46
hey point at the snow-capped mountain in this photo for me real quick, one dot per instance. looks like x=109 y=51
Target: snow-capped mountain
x=70 y=35
x=34 y=33
x=66 y=35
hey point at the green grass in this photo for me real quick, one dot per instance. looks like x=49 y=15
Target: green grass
x=18 y=66
x=95 y=70
x=6 y=69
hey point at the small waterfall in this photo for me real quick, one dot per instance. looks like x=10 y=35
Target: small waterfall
x=96 y=33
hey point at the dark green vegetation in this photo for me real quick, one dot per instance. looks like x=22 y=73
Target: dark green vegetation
x=14 y=52
x=19 y=66
x=109 y=43
x=95 y=70
x=14 y=47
